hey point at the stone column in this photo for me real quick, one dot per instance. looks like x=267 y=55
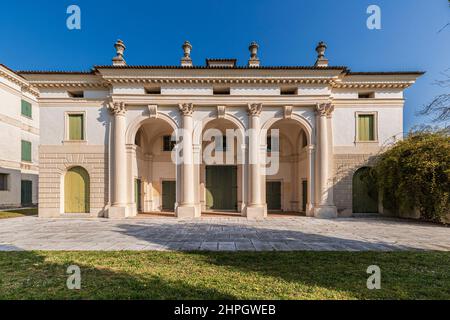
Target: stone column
x=186 y=208
x=311 y=179
x=255 y=207
x=324 y=206
x=119 y=160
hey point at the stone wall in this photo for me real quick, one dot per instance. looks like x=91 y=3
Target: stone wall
x=345 y=165
x=54 y=163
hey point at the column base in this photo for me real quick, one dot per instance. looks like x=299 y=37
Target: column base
x=116 y=213
x=189 y=211
x=325 y=212
x=256 y=213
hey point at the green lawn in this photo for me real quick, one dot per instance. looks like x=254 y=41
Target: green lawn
x=207 y=275
x=18 y=213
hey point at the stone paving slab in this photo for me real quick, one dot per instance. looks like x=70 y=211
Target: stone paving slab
x=222 y=234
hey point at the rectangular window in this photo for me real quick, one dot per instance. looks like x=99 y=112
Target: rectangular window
x=366 y=127
x=3 y=182
x=273 y=144
x=168 y=144
x=76 y=94
x=221 y=90
x=153 y=90
x=26 y=151
x=289 y=91
x=76 y=127
x=26 y=109
x=221 y=144
x=366 y=95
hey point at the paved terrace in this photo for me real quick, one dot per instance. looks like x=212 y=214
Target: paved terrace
x=223 y=234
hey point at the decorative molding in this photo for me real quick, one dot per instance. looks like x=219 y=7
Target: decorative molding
x=288 y=112
x=324 y=109
x=254 y=109
x=186 y=109
x=117 y=108
x=153 y=110
x=221 y=112
x=24 y=85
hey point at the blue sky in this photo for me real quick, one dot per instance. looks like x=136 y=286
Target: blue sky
x=34 y=35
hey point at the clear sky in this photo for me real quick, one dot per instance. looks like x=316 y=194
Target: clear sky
x=34 y=35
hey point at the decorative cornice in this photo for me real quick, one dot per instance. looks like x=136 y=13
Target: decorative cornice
x=186 y=109
x=117 y=108
x=24 y=85
x=254 y=109
x=324 y=109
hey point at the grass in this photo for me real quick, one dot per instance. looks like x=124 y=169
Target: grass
x=215 y=275
x=18 y=213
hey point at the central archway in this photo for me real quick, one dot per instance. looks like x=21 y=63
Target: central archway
x=152 y=174
x=291 y=187
x=221 y=167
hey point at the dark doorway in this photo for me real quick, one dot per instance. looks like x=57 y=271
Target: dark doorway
x=273 y=195
x=169 y=195
x=26 y=193
x=365 y=194
x=221 y=188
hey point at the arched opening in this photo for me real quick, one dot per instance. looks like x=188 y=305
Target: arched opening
x=77 y=191
x=221 y=169
x=153 y=172
x=364 y=192
x=288 y=175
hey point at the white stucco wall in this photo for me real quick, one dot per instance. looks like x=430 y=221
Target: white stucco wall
x=390 y=123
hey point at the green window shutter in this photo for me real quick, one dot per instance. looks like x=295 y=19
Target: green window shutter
x=366 y=128
x=26 y=109
x=26 y=151
x=76 y=125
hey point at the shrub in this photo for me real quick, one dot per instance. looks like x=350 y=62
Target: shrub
x=414 y=174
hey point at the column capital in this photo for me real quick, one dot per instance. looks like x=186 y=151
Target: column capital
x=254 y=109
x=117 y=108
x=324 y=109
x=186 y=109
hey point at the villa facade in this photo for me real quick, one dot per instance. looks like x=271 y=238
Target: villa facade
x=121 y=140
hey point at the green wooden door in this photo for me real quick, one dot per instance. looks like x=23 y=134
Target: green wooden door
x=76 y=191
x=138 y=194
x=365 y=195
x=169 y=191
x=26 y=193
x=221 y=188
x=273 y=195
x=304 y=194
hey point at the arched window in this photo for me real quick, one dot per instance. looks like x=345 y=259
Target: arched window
x=77 y=191
x=365 y=193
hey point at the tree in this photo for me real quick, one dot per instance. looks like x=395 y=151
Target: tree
x=415 y=175
x=439 y=108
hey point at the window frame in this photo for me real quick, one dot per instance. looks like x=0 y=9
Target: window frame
x=6 y=176
x=172 y=143
x=375 y=126
x=22 y=100
x=21 y=151
x=67 y=115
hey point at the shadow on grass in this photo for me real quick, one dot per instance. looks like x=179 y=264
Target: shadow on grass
x=42 y=276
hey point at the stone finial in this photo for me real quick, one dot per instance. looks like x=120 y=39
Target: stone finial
x=186 y=61
x=321 y=60
x=118 y=60
x=254 y=60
